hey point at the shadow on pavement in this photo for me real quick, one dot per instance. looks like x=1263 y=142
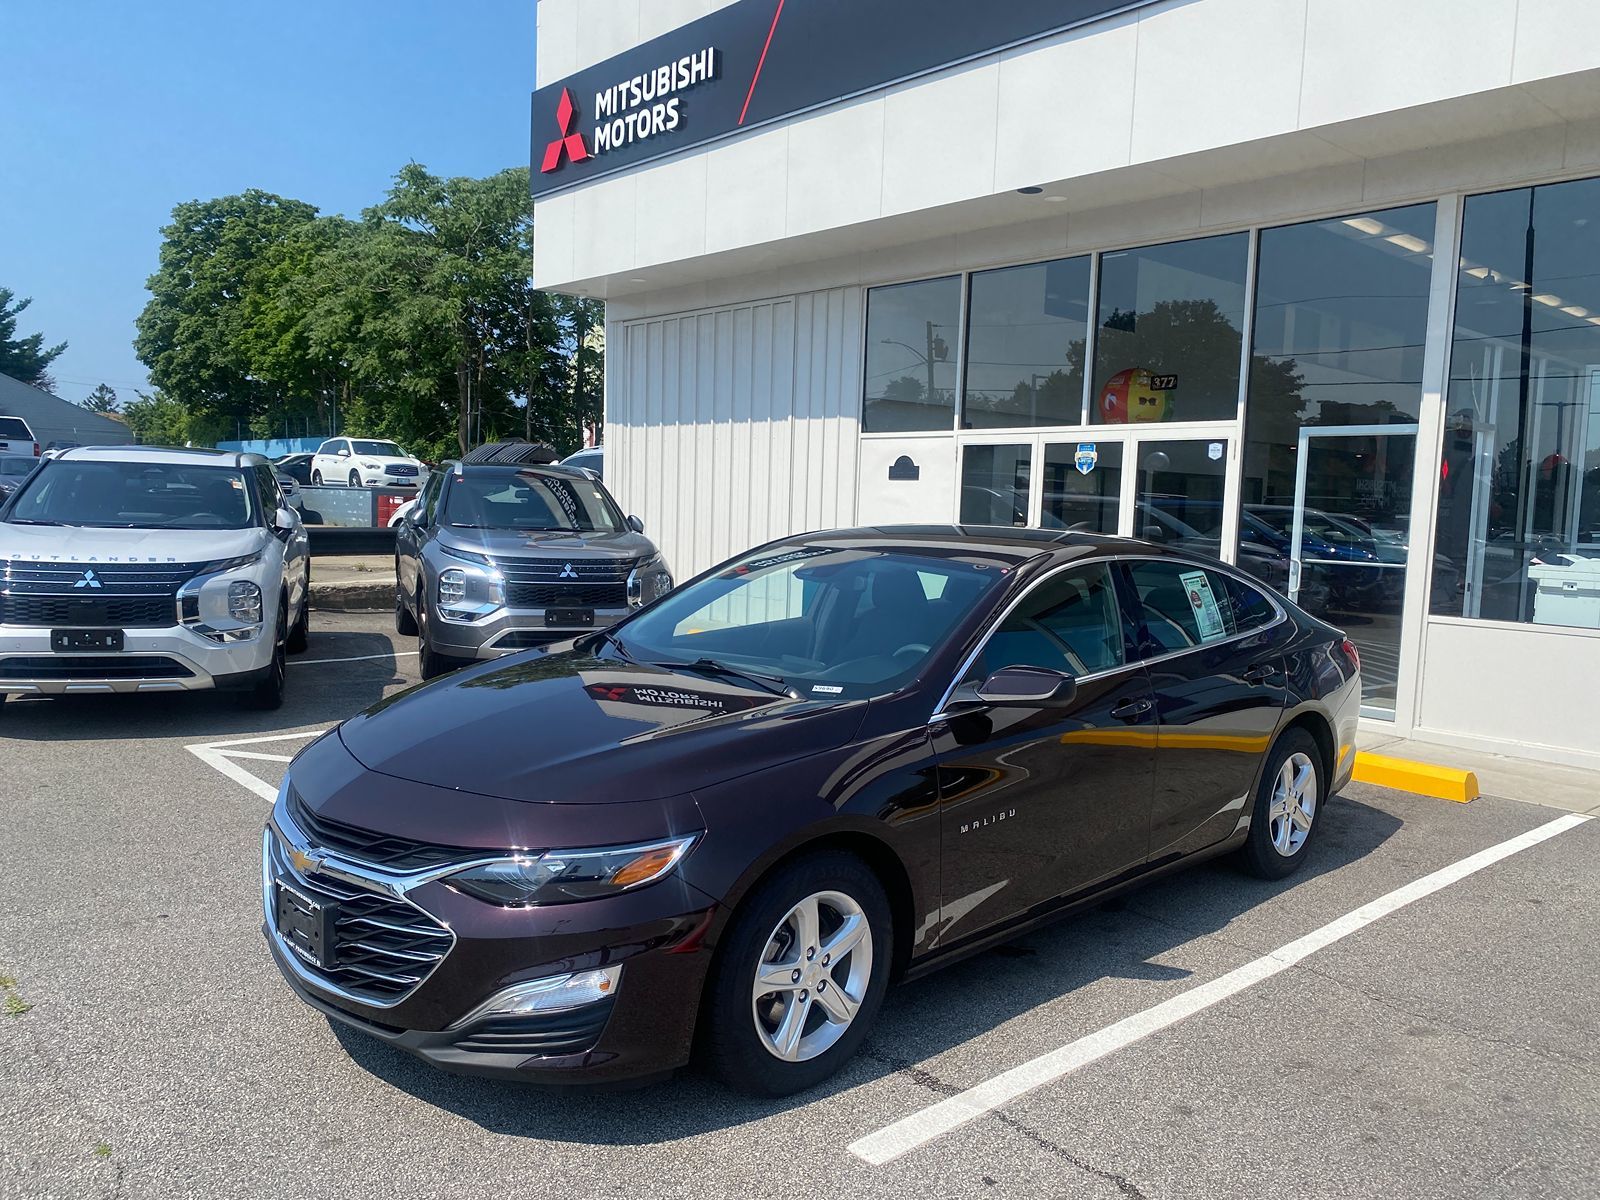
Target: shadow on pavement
x=919 y=1020
x=316 y=694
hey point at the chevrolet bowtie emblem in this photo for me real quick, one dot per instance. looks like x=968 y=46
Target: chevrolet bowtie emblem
x=89 y=580
x=306 y=864
x=566 y=573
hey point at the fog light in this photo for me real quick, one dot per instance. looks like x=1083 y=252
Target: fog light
x=553 y=994
x=452 y=587
x=244 y=602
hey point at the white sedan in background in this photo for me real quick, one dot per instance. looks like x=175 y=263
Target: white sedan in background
x=365 y=462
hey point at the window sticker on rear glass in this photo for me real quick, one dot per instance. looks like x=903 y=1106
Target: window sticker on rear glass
x=1206 y=613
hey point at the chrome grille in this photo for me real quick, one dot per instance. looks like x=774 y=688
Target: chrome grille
x=392 y=853
x=566 y=570
x=91 y=593
x=382 y=947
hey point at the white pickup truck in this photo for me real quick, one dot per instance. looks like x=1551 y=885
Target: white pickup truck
x=141 y=568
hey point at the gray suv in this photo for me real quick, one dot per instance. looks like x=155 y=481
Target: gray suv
x=496 y=557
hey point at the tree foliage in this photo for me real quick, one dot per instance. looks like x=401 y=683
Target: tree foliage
x=418 y=322
x=24 y=358
x=102 y=400
x=157 y=420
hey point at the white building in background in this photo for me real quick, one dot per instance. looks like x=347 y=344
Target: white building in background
x=1312 y=285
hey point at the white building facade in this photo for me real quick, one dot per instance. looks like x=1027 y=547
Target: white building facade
x=1309 y=285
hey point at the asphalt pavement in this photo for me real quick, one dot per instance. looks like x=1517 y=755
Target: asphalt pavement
x=148 y=1048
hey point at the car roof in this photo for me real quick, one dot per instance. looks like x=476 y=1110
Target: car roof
x=556 y=469
x=1002 y=544
x=170 y=455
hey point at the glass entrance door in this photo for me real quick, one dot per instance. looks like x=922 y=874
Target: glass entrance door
x=1349 y=532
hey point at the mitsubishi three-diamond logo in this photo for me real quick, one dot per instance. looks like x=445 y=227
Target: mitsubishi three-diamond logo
x=567 y=572
x=571 y=143
x=89 y=580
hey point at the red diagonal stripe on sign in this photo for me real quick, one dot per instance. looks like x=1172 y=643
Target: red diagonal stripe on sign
x=761 y=62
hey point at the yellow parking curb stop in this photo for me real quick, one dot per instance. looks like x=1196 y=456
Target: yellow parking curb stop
x=1423 y=779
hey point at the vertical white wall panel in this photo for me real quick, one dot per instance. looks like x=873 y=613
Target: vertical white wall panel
x=728 y=427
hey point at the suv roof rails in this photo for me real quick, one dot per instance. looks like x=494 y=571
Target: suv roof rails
x=513 y=453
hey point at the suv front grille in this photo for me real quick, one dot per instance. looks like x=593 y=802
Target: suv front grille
x=569 y=595
x=381 y=948
x=93 y=667
x=566 y=570
x=151 y=612
x=398 y=854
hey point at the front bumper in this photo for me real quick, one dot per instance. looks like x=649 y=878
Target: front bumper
x=507 y=630
x=152 y=660
x=643 y=1031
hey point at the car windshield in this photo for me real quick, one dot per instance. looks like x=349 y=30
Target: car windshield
x=387 y=449
x=11 y=465
x=831 y=623
x=135 y=495
x=530 y=500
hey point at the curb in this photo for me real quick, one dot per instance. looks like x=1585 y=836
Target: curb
x=377 y=596
x=1419 y=778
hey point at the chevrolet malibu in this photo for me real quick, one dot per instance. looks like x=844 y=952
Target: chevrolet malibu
x=723 y=826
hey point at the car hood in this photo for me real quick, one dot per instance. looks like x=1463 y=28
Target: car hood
x=56 y=543
x=506 y=543
x=570 y=728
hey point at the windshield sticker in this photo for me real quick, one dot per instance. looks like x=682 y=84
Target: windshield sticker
x=1206 y=613
x=568 y=501
x=827 y=689
x=772 y=560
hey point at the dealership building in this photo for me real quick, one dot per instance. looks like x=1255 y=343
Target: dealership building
x=1312 y=286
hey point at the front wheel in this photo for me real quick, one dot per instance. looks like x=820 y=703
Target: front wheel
x=430 y=663
x=800 y=976
x=316 y=479
x=268 y=694
x=355 y=478
x=300 y=632
x=1289 y=802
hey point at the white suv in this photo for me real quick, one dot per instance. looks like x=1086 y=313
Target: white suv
x=139 y=568
x=364 y=462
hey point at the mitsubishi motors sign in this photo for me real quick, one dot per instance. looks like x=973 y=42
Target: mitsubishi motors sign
x=758 y=61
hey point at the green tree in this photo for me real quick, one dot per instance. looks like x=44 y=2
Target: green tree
x=194 y=333
x=157 y=420
x=24 y=358
x=102 y=400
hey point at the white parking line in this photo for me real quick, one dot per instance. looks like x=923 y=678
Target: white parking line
x=220 y=757
x=890 y=1142
x=311 y=662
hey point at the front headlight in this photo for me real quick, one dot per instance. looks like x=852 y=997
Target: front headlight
x=366 y=466
x=452 y=587
x=244 y=601
x=562 y=876
x=648 y=582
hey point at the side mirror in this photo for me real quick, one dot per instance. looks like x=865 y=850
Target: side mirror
x=283 y=519
x=635 y=524
x=1037 y=686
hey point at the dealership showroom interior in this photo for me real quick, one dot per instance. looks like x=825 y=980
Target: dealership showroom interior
x=1024 y=620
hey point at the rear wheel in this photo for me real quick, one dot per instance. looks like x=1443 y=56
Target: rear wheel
x=1289 y=802
x=800 y=975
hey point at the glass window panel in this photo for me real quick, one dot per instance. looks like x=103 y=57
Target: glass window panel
x=1518 y=530
x=1180 y=606
x=1026 y=332
x=1075 y=498
x=912 y=348
x=1071 y=622
x=1179 y=494
x=1170 y=320
x=994 y=484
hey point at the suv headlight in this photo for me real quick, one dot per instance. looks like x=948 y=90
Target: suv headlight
x=648 y=582
x=469 y=593
x=562 y=876
x=244 y=602
x=452 y=587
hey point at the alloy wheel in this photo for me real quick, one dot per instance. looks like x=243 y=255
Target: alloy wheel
x=1294 y=804
x=812 y=976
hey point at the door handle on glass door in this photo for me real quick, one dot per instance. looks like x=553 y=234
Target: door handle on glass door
x=1132 y=709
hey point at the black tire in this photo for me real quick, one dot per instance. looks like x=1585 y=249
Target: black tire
x=268 y=694
x=405 y=623
x=300 y=631
x=355 y=478
x=1271 y=852
x=316 y=479
x=430 y=661
x=735 y=1051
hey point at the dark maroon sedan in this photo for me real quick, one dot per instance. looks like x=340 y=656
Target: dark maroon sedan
x=728 y=822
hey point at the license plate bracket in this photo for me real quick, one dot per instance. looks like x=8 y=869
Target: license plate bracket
x=306 y=924
x=568 y=618
x=102 y=640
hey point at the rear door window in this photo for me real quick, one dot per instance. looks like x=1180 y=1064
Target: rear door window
x=1181 y=606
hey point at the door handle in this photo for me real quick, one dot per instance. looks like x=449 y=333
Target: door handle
x=1132 y=709
x=1260 y=673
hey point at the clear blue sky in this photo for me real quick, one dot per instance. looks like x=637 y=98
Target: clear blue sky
x=112 y=112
